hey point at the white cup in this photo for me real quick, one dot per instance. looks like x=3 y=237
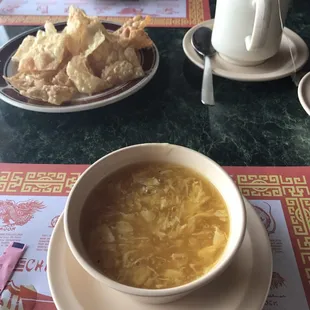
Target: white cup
x=248 y=32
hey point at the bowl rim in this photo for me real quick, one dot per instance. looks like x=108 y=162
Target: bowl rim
x=204 y=279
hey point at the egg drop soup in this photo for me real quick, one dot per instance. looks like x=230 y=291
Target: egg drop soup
x=154 y=225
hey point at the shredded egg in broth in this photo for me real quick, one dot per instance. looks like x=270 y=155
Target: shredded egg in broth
x=154 y=225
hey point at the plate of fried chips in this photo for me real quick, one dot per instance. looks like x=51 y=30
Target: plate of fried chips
x=79 y=65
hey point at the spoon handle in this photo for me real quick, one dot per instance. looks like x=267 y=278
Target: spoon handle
x=207 y=95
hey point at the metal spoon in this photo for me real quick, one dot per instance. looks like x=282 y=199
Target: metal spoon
x=201 y=41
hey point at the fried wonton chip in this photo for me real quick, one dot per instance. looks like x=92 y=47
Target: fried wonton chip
x=82 y=77
x=62 y=78
x=26 y=80
x=49 y=28
x=120 y=72
x=54 y=94
x=76 y=29
x=137 y=22
x=81 y=30
x=103 y=55
x=44 y=85
x=24 y=48
x=96 y=25
x=46 y=53
x=108 y=53
x=131 y=55
x=94 y=42
x=132 y=33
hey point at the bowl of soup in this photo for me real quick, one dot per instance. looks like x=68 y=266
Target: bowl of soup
x=155 y=221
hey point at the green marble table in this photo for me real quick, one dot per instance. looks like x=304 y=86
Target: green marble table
x=251 y=124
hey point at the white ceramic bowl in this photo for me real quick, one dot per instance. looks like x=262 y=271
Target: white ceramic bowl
x=155 y=152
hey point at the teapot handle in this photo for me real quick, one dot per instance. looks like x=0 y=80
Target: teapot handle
x=261 y=25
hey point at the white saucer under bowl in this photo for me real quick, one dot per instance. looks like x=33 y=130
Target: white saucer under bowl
x=244 y=285
x=304 y=92
x=277 y=67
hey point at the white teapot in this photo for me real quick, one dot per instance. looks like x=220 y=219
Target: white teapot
x=248 y=32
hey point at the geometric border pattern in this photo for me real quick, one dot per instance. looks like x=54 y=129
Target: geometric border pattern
x=290 y=185
x=37 y=182
x=197 y=12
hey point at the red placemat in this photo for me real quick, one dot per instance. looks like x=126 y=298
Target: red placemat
x=280 y=195
x=176 y=13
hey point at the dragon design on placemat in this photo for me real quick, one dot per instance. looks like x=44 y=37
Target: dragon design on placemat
x=20 y=213
x=277 y=281
x=266 y=218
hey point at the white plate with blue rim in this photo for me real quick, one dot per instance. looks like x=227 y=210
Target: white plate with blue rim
x=243 y=286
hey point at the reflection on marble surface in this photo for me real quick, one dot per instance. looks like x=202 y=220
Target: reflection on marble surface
x=4 y=37
x=252 y=123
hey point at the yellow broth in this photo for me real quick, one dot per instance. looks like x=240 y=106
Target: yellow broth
x=154 y=225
